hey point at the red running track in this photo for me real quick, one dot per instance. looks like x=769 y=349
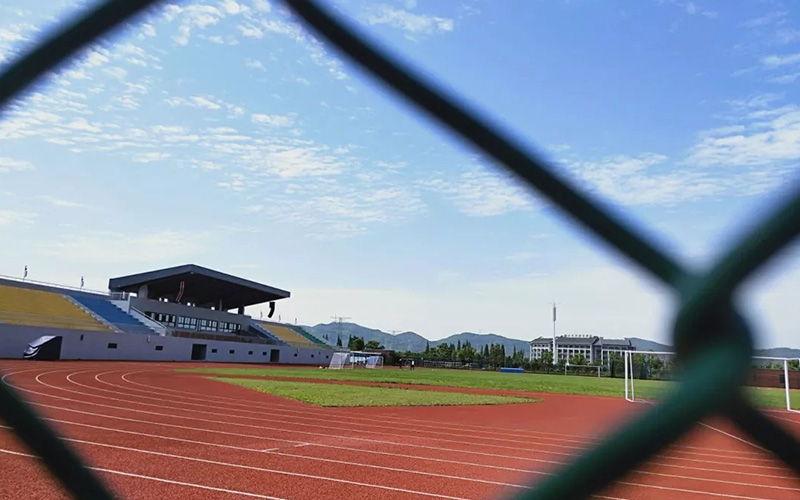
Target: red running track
x=150 y=432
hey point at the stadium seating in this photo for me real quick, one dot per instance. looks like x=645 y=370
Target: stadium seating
x=309 y=336
x=22 y=306
x=113 y=314
x=262 y=332
x=287 y=335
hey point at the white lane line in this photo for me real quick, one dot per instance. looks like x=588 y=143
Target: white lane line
x=365 y=451
x=588 y=440
x=327 y=427
x=382 y=487
x=293 y=421
x=395 y=469
x=260 y=469
x=156 y=479
x=370 y=452
x=299 y=445
x=735 y=437
x=276 y=453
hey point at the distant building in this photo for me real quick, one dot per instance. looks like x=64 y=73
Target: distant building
x=595 y=349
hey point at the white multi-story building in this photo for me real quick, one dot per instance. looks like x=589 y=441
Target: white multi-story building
x=595 y=349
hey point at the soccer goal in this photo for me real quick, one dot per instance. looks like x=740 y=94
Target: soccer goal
x=649 y=375
x=374 y=362
x=340 y=360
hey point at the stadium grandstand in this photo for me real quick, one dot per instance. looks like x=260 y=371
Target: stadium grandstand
x=181 y=313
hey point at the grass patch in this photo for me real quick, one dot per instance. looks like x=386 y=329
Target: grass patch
x=443 y=378
x=331 y=395
x=533 y=382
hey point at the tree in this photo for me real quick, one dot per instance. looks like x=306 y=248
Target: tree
x=794 y=364
x=338 y=341
x=578 y=359
x=427 y=347
x=547 y=359
x=373 y=344
x=355 y=344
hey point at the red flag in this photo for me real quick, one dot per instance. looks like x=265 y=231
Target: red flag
x=180 y=293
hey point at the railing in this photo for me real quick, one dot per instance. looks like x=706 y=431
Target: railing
x=56 y=285
x=713 y=340
x=226 y=338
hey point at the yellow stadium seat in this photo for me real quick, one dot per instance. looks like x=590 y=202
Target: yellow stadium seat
x=21 y=306
x=288 y=335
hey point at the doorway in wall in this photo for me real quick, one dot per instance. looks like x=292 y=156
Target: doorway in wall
x=198 y=352
x=274 y=355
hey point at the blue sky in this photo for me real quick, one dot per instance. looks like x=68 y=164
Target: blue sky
x=223 y=133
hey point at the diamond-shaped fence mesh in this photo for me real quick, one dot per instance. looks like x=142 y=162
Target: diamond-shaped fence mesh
x=714 y=342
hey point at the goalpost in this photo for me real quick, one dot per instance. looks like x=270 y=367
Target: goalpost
x=353 y=359
x=340 y=360
x=659 y=366
x=374 y=362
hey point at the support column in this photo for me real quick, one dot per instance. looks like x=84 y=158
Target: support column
x=240 y=310
x=143 y=292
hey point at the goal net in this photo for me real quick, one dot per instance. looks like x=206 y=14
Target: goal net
x=374 y=362
x=771 y=382
x=340 y=360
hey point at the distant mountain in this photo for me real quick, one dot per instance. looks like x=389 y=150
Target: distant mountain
x=406 y=341
x=411 y=341
x=779 y=352
x=649 y=345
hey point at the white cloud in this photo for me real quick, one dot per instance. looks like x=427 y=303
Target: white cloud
x=96 y=58
x=104 y=247
x=261 y=5
x=231 y=7
x=9 y=218
x=204 y=102
x=199 y=102
x=775 y=17
x=148 y=30
x=12 y=165
x=775 y=61
x=483 y=193
x=116 y=72
x=7 y=35
x=150 y=157
x=272 y=120
x=407 y=21
x=772 y=135
x=254 y=64
x=250 y=31
x=785 y=79
x=82 y=125
x=58 y=202
x=521 y=256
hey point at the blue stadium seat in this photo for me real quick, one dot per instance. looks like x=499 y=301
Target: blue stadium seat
x=113 y=314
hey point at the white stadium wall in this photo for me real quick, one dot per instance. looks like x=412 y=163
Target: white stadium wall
x=88 y=345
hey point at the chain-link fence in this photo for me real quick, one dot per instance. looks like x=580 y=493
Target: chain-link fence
x=714 y=342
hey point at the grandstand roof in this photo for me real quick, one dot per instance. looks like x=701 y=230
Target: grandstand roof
x=201 y=286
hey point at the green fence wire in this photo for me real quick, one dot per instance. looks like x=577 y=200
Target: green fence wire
x=714 y=342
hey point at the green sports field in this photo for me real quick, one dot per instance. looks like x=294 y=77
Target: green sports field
x=354 y=395
x=540 y=383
